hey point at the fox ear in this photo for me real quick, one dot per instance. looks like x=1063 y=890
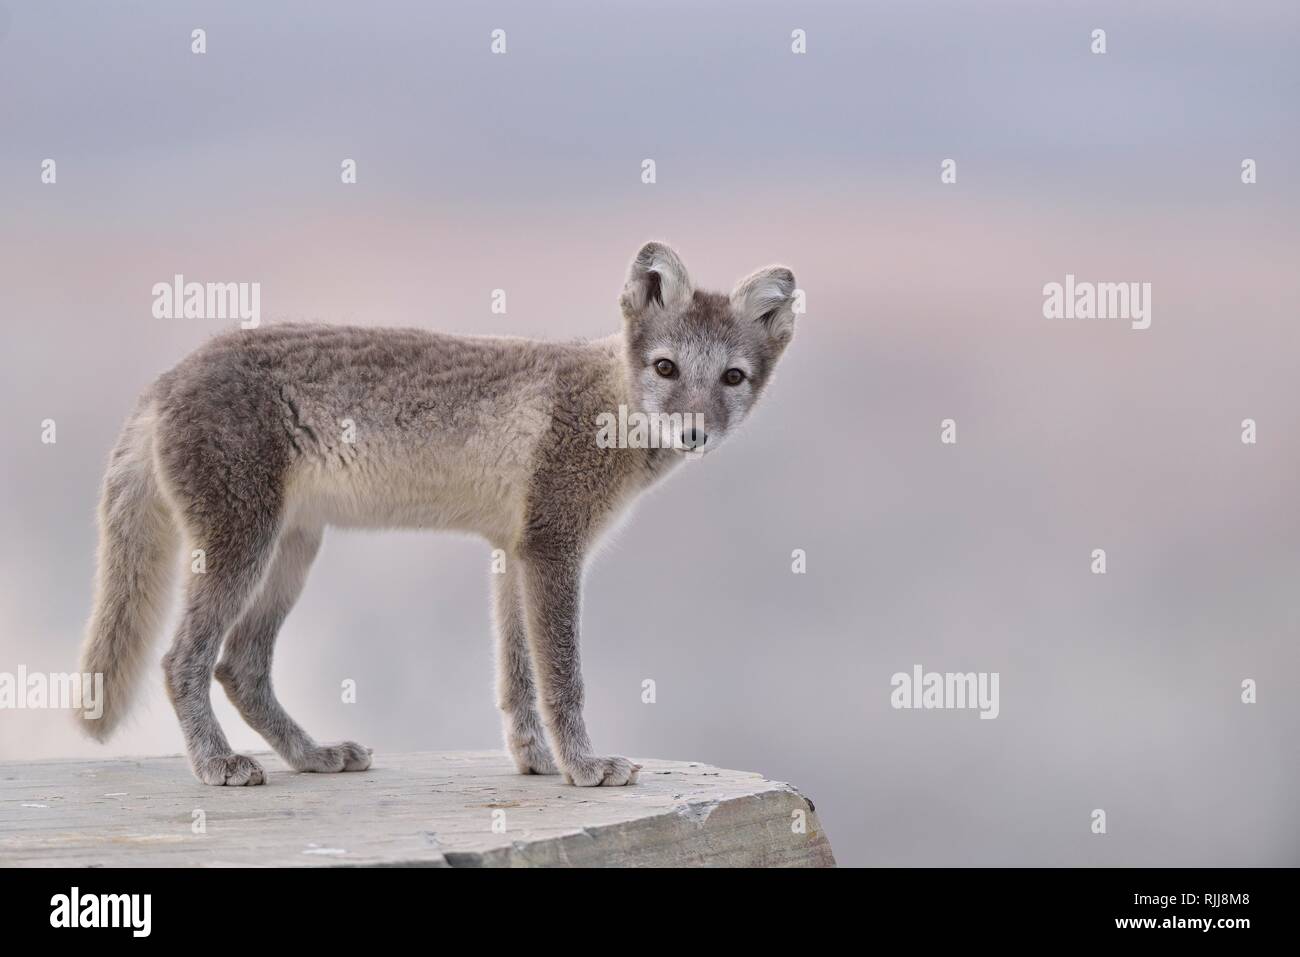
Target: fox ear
x=655 y=280
x=767 y=297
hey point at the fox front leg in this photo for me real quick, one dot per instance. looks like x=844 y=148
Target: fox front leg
x=552 y=594
x=516 y=689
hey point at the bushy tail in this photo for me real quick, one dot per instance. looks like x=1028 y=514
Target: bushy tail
x=137 y=554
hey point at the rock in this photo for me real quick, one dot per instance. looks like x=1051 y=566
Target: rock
x=432 y=809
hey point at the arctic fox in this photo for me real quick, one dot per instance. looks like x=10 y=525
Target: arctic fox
x=249 y=447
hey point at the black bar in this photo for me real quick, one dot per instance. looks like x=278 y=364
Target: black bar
x=341 y=904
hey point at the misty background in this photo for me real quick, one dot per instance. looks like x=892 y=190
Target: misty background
x=522 y=172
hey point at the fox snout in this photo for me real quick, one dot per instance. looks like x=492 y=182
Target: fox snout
x=694 y=438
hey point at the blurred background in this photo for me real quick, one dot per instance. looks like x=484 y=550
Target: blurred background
x=523 y=172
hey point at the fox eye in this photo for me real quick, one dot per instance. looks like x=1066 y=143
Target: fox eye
x=733 y=377
x=666 y=368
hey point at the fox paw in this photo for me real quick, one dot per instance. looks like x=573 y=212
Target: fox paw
x=331 y=759
x=230 y=769
x=533 y=757
x=601 y=772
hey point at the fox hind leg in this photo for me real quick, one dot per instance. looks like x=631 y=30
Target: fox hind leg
x=245 y=667
x=236 y=558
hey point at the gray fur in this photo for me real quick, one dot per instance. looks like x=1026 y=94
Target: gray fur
x=245 y=450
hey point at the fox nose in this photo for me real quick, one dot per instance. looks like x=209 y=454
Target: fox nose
x=694 y=438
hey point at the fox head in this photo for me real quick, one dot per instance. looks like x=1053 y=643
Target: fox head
x=702 y=358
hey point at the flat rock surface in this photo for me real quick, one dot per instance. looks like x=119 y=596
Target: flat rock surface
x=435 y=809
